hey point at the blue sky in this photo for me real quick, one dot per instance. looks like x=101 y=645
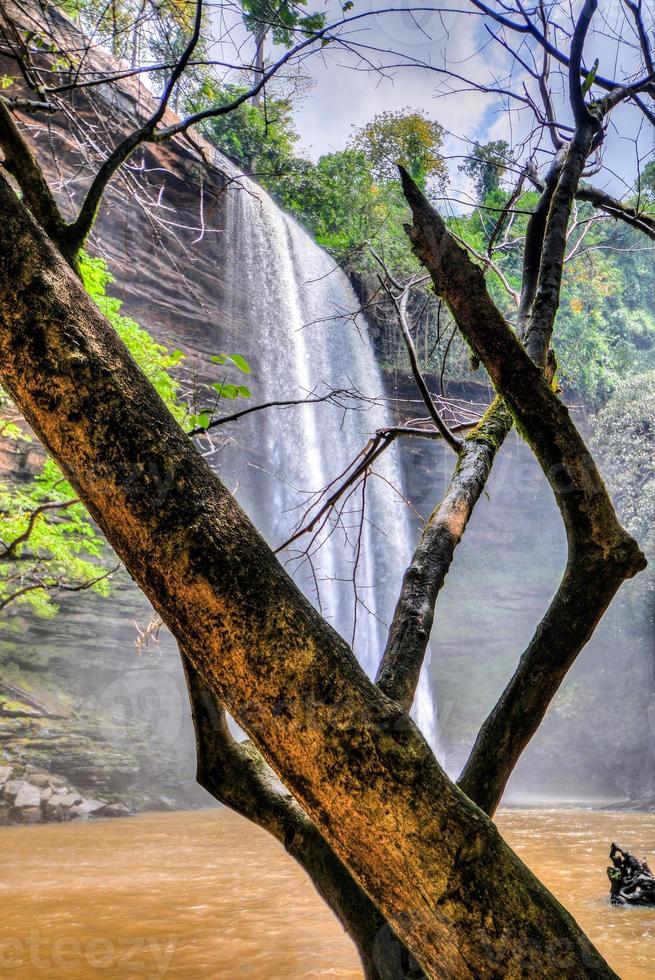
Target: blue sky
x=341 y=97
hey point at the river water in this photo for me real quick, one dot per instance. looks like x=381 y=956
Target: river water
x=204 y=894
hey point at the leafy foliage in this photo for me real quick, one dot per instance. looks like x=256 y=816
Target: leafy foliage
x=155 y=361
x=624 y=437
x=407 y=138
x=605 y=325
x=487 y=166
x=282 y=21
x=260 y=139
x=132 y=27
x=48 y=542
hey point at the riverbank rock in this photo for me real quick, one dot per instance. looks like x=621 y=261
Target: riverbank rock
x=91 y=808
x=36 y=797
x=47 y=780
x=60 y=806
x=26 y=814
x=644 y=804
x=112 y=810
x=10 y=789
x=27 y=796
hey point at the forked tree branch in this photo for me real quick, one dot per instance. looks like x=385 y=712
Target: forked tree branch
x=409 y=635
x=528 y=26
x=601 y=553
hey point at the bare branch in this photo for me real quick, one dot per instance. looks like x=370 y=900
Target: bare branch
x=640 y=220
x=581 y=112
x=333 y=397
x=601 y=553
x=400 y=308
x=409 y=634
x=21 y=163
x=642 y=34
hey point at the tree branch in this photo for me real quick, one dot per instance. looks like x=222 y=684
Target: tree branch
x=332 y=396
x=10 y=551
x=409 y=634
x=642 y=34
x=546 y=298
x=639 y=220
x=578 y=105
x=21 y=163
x=601 y=553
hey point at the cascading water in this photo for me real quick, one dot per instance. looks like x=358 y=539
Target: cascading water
x=295 y=309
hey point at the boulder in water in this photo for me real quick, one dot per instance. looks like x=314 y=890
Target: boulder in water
x=112 y=810
x=87 y=808
x=631 y=881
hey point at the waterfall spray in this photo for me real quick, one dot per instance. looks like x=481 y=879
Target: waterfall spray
x=296 y=310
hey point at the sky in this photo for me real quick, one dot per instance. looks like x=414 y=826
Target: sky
x=341 y=96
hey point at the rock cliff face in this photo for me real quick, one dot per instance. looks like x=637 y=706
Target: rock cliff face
x=75 y=698
x=79 y=702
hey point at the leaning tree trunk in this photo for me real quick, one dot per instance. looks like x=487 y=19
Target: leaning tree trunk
x=236 y=774
x=429 y=859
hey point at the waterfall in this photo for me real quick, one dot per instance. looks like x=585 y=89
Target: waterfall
x=294 y=307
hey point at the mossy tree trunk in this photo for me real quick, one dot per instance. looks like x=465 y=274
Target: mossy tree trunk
x=427 y=857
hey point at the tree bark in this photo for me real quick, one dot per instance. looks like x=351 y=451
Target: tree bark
x=429 y=859
x=601 y=554
x=236 y=774
x=411 y=626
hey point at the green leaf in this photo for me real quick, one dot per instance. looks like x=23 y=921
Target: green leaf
x=239 y=362
x=218 y=358
x=589 y=80
x=226 y=391
x=243 y=391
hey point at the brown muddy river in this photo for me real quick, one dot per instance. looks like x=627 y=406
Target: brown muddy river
x=203 y=894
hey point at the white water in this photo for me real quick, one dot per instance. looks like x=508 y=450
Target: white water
x=295 y=302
